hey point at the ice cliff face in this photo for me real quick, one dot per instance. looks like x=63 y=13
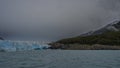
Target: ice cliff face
x=113 y=26
x=21 y=45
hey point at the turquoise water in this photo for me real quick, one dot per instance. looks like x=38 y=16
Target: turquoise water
x=61 y=59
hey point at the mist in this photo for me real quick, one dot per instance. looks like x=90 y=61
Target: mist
x=55 y=19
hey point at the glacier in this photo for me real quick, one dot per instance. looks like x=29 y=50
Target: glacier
x=8 y=45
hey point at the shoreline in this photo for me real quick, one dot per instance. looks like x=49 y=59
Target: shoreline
x=84 y=47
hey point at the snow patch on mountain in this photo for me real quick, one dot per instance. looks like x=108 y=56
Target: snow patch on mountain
x=112 y=26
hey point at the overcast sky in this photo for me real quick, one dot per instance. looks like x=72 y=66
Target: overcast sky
x=55 y=19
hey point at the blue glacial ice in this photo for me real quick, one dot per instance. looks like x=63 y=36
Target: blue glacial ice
x=7 y=45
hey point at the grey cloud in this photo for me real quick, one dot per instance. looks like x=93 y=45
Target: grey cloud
x=55 y=19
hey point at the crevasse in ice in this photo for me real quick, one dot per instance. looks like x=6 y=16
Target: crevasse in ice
x=8 y=45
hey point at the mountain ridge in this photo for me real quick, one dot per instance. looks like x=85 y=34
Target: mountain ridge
x=113 y=26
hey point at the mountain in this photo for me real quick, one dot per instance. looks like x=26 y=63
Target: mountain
x=114 y=26
x=107 y=35
x=1 y=38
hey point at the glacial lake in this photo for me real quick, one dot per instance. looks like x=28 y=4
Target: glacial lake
x=61 y=59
